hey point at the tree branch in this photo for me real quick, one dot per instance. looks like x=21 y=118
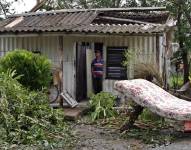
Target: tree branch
x=3 y=9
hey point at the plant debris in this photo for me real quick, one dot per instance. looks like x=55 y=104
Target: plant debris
x=26 y=119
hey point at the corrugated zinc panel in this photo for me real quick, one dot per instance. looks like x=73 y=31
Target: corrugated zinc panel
x=143 y=46
x=48 y=47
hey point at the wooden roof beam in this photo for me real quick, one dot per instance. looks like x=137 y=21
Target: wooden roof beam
x=125 y=20
x=38 y=5
x=132 y=9
x=99 y=10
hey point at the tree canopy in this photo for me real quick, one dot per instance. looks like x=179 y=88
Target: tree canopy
x=69 y=4
x=5 y=7
x=181 y=9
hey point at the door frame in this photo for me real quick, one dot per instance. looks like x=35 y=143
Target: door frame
x=79 y=46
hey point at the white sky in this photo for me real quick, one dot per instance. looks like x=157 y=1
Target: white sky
x=24 y=6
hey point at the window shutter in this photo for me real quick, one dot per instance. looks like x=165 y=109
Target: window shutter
x=114 y=67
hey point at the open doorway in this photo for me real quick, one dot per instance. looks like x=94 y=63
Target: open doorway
x=85 y=53
x=97 y=67
x=81 y=77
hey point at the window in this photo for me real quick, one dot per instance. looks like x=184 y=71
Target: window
x=114 y=67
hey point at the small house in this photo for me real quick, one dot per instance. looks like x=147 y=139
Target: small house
x=69 y=37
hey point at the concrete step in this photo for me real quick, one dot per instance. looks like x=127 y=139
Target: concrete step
x=72 y=114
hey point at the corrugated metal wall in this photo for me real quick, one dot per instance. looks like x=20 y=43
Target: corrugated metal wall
x=144 y=46
x=69 y=65
x=48 y=46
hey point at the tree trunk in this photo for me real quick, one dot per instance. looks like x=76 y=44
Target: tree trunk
x=181 y=43
x=3 y=8
x=186 y=66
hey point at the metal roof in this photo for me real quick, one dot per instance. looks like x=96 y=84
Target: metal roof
x=122 y=20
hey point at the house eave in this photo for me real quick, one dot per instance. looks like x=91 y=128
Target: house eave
x=26 y=34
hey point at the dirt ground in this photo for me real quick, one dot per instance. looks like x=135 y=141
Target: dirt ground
x=183 y=143
x=92 y=137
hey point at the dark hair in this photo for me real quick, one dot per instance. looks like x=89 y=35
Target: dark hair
x=97 y=51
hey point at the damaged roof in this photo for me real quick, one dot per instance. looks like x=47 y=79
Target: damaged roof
x=109 y=20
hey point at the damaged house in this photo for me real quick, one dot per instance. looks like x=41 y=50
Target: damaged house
x=69 y=37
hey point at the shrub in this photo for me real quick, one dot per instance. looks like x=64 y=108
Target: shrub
x=35 y=69
x=26 y=118
x=147 y=115
x=101 y=105
x=176 y=81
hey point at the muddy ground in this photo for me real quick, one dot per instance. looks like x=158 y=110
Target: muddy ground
x=92 y=137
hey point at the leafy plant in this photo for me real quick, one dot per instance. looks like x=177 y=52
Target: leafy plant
x=27 y=119
x=129 y=56
x=147 y=115
x=176 y=81
x=101 y=105
x=34 y=68
x=155 y=136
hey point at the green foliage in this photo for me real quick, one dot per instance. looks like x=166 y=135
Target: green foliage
x=147 y=115
x=27 y=119
x=129 y=56
x=69 y=4
x=176 y=81
x=6 y=7
x=88 y=4
x=102 y=105
x=155 y=136
x=180 y=9
x=151 y=129
x=35 y=69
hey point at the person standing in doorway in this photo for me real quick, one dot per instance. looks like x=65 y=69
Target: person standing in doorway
x=97 y=72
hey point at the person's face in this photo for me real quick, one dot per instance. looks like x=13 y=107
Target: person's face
x=98 y=54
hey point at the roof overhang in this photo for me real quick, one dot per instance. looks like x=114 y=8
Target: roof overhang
x=97 y=21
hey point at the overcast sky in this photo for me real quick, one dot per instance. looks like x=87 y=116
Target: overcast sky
x=24 y=6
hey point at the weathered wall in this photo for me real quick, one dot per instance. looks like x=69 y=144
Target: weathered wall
x=48 y=46
x=145 y=47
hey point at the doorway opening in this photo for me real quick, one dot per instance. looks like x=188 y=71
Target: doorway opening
x=85 y=53
x=81 y=69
